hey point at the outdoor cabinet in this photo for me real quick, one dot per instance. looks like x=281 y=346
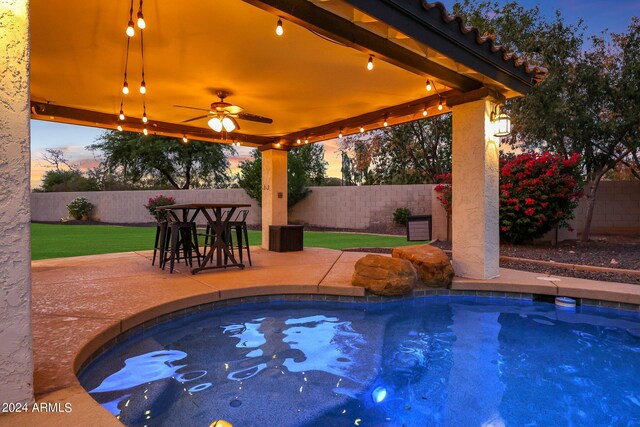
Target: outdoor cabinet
x=285 y=238
x=419 y=227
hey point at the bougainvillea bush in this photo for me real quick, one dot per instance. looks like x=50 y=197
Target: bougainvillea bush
x=155 y=202
x=537 y=193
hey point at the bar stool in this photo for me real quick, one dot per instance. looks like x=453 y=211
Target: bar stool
x=160 y=244
x=183 y=236
x=240 y=226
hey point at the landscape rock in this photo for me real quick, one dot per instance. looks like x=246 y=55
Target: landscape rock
x=432 y=264
x=383 y=275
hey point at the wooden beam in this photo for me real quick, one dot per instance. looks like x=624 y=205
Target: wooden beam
x=425 y=25
x=402 y=113
x=62 y=114
x=327 y=24
x=474 y=95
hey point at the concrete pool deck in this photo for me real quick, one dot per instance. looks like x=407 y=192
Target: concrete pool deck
x=81 y=303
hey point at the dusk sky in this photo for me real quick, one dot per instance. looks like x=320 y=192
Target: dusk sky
x=614 y=15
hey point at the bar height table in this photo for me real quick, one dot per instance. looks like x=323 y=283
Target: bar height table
x=219 y=226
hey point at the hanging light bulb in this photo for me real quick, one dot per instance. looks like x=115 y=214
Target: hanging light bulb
x=228 y=124
x=141 y=24
x=385 y=122
x=277 y=145
x=424 y=112
x=130 y=31
x=370 y=63
x=340 y=134
x=361 y=129
x=119 y=127
x=143 y=87
x=121 y=116
x=145 y=131
x=440 y=105
x=185 y=139
x=306 y=140
x=279 y=29
x=125 y=88
x=144 y=118
x=429 y=87
x=215 y=123
x=298 y=142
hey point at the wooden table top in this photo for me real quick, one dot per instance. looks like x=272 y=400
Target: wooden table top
x=203 y=205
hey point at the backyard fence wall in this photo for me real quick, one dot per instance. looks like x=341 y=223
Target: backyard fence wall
x=370 y=207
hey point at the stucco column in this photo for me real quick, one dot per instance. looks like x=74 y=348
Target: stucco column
x=16 y=357
x=274 y=191
x=475 y=232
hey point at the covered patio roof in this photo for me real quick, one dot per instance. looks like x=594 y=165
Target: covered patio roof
x=313 y=81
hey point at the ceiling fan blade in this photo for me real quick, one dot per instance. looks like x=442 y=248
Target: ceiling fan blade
x=195 y=118
x=254 y=118
x=233 y=109
x=191 y=108
x=235 y=122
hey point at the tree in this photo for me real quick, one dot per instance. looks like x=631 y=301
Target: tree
x=589 y=100
x=60 y=179
x=409 y=153
x=159 y=160
x=306 y=167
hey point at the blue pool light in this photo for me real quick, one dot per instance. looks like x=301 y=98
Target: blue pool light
x=379 y=394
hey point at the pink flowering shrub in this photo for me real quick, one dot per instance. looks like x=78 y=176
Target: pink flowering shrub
x=155 y=202
x=537 y=193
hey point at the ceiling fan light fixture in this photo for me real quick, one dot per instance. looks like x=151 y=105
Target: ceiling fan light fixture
x=215 y=123
x=228 y=124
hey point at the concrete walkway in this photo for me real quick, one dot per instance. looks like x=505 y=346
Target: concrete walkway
x=81 y=303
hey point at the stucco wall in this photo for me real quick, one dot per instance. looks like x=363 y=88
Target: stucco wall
x=16 y=366
x=360 y=207
x=617 y=206
x=128 y=206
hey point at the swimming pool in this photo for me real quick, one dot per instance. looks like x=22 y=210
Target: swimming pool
x=451 y=361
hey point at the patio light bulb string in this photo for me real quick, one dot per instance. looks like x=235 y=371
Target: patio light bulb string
x=370 y=63
x=143 y=85
x=429 y=86
x=279 y=29
x=125 y=85
x=441 y=99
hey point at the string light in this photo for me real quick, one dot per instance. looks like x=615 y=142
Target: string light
x=298 y=142
x=185 y=139
x=119 y=127
x=340 y=134
x=306 y=140
x=125 y=87
x=279 y=29
x=145 y=131
x=143 y=87
x=424 y=112
x=130 y=31
x=429 y=87
x=385 y=122
x=440 y=104
x=121 y=116
x=144 y=116
x=361 y=129
x=141 y=24
x=277 y=145
x=370 y=63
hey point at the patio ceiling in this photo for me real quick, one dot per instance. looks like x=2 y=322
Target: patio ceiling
x=313 y=81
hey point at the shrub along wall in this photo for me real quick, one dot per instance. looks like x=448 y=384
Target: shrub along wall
x=617 y=207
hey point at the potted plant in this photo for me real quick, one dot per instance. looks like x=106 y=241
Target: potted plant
x=155 y=202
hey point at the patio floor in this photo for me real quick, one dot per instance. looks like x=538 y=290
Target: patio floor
x=81 y=303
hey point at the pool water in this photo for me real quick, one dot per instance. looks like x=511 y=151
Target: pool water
x=437 y=361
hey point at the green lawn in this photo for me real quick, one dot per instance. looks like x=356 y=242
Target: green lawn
x=57 y=240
